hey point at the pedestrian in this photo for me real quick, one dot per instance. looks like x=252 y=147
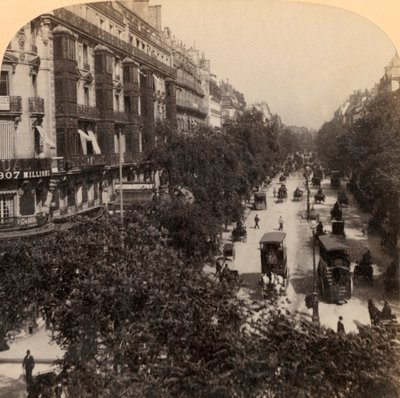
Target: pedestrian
x=386 y=313
x=274 y=192
x=340 y=326
x=280 y=223
x=256 y=221
x=28 y=364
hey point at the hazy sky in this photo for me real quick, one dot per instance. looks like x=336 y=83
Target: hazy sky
x=303 y=60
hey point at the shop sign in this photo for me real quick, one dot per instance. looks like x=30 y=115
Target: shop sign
x=14 y=169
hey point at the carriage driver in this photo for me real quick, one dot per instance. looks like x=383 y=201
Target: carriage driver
x=366 y=260
x=320 y=229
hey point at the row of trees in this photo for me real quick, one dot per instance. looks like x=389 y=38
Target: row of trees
x=220 y=169
x=368 y=150
x=145 y=322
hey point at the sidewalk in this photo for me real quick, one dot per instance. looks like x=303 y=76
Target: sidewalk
x=43 y=350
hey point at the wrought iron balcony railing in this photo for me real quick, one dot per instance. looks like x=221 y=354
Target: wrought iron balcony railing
x=36 y=105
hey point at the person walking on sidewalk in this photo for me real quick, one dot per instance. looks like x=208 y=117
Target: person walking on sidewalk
x=256 y=221
x=28 y=364
x=280 y=223
x=340 y=326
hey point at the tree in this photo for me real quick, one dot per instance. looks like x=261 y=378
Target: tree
x=144 y=322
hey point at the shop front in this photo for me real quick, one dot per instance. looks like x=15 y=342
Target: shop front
x=25 y=196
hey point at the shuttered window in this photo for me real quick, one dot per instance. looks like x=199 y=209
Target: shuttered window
x=7 y=132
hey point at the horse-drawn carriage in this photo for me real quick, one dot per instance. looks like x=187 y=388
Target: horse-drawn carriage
x=364 y=269
x=335 y=179
x=260 y=201
x=334 y=271
x=282 y=193
x=228 y=251
x=239 y=233
x=336 y=212
x=343 y=199
x=297 y=194
x=319 y=196
x=316 y=181
x=384 y=318
x=391 y=279
x=273 y=254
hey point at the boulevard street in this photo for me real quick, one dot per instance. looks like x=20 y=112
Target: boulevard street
x=299 y=253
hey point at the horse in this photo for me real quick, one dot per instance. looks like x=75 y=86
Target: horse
x=364 y=271
x=297 y=194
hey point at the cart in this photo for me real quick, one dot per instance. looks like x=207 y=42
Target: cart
x=260 y=201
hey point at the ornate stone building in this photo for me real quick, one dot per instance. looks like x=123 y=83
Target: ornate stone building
x=191 y=85
x=81 y=89
x=233 y=102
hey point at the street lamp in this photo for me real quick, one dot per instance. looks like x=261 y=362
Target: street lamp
x=313 y=221
x=307 y=175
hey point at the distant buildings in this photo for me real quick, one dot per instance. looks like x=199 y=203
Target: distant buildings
x=354 y=109
x=215 y=110
x=391 y=79
x=233 y=102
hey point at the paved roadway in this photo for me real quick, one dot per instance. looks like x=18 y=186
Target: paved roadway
x=299 y=254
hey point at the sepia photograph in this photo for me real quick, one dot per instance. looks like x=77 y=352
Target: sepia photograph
x=200 y=198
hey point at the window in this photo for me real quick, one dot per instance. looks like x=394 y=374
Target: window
x=6 y=209
x=109 y=64
x=33 y=35
x=137 y=43
x=37 y=142
x=117 y=69
x=117 y=102
x=101 y=23
x=86 y=95
x=111 y=29
x=127 y=104
x=131 y=40
x=4 y=84
x=70 y=50
x=85 y=57
x=34 y=85
x=119 y=33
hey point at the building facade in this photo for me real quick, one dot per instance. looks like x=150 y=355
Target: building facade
x=81 y=90
x=233 y=102
x=191 y=98
x=215 y=107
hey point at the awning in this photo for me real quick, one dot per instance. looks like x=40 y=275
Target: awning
x=7 y=194
x=84 y=138
x=46 y=139
x=89 y=137
x=96 y=147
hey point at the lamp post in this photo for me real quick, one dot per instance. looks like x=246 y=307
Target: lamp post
x=313 y=219
x=121 y=200
x=307 y=175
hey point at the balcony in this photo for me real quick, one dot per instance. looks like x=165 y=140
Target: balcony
x=10 y=105
x=88 y=112
x=113 y=41
x=86 y=161
x=192 y=107
x=130 y=157
x=36 y=106
x=113 y=159
x=23 y=222
x=122 y=117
